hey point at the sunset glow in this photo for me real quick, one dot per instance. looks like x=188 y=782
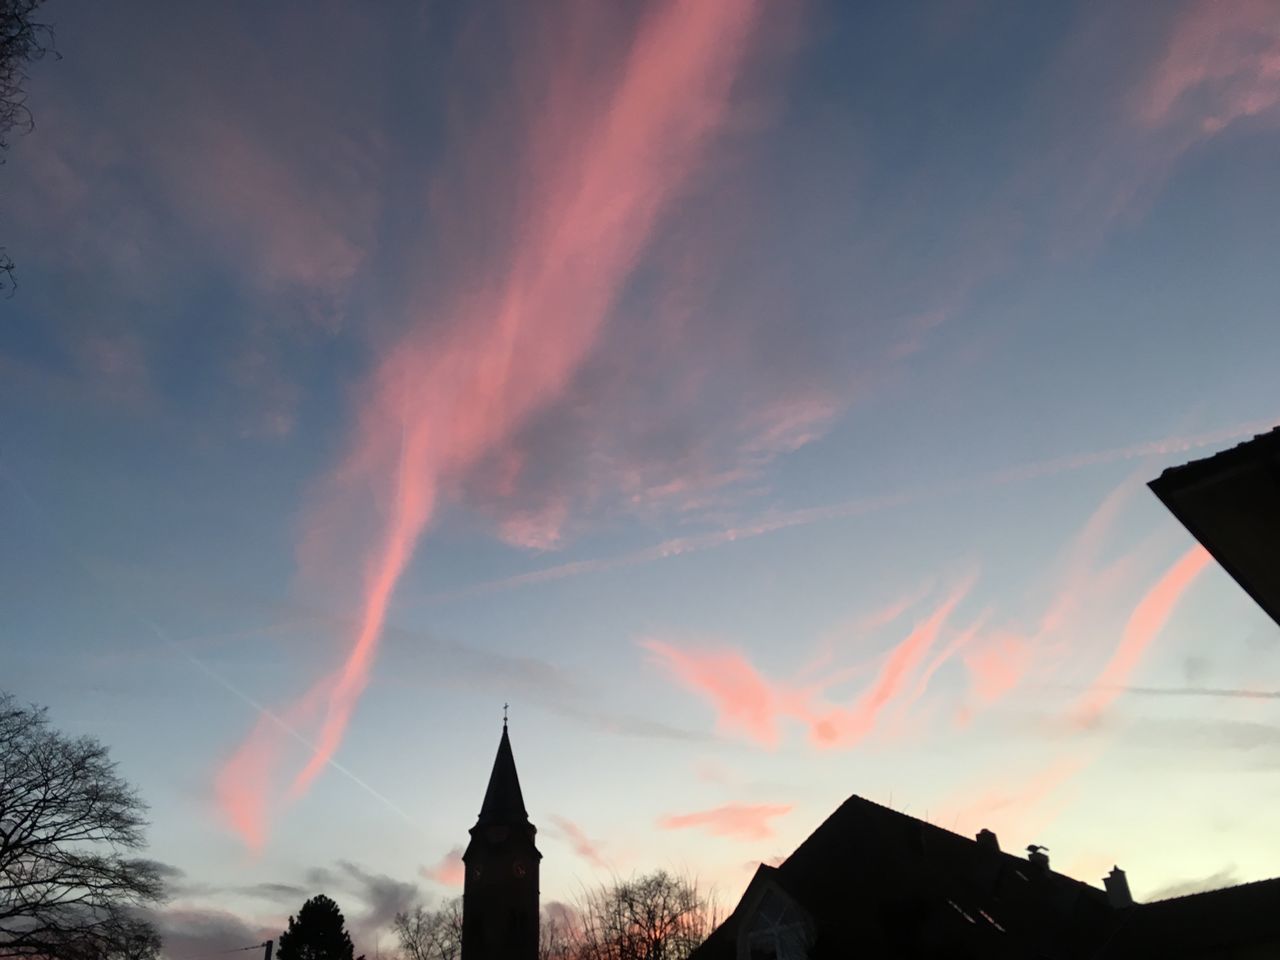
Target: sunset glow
x=743 y=404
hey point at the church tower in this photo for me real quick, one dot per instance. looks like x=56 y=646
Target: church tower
x=500 y=895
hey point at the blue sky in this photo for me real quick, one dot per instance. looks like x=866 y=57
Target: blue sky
x=758 y=397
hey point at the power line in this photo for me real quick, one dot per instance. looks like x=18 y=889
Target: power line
x=223 y=953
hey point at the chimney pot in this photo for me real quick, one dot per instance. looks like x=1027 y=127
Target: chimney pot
x=1038 y=856
x=987 y=840
x=1117 y=885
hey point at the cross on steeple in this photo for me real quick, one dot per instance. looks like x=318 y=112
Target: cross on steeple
x=504 y=713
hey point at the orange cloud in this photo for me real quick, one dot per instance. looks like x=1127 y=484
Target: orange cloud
x=604 y=169
x=1145 y=623
x=450 y=871
x=742 y=821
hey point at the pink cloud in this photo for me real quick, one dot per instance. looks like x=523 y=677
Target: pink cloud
x=842 y=727
x=744 y=700
x=998 y=665
x=1221 y=64
x=748 y=703
x=604 y=170
x=1145 y=623
x=858 y=627
x=740 y=821
x=582 y=845
x=449 y=871
x=535 y=529
x=239 y=784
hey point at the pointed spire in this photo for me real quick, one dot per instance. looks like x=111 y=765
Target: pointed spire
x=503 y=801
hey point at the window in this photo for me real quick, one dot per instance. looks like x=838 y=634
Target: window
x=777 y=930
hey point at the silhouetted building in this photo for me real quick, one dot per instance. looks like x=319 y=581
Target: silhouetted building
x=1235 y=923
x=500 y=893
x=1230 y=502
x=873 y=883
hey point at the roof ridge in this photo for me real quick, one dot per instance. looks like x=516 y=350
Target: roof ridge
x=1202 y=893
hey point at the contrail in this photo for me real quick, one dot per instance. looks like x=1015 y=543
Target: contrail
x=1227 y=692
x=774 y=523
x=11 y=477
x=288 y=729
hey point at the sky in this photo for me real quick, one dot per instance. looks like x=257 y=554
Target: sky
x=758 y=397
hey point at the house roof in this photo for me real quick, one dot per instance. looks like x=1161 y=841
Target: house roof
x=1230 y=502
x=872 y=875
x=1238 y=916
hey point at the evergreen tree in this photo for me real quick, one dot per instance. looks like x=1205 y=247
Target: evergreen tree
x=319 y=932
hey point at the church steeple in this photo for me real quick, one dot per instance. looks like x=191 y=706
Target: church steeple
x=503 y=801
x=500 y=893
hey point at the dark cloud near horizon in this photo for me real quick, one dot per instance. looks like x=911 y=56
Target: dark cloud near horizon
x=289 y=893
x=382 y=897
x=1226 y=877
x=369 y=902
x=201 y=933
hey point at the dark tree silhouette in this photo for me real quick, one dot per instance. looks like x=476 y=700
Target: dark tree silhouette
x=22 y=41
x=319 y=932
x=67 y=821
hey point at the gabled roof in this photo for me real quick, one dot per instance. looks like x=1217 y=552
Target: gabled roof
x=1239 y=916
x=876 y=879
x=503 y=802
x=1230 y=502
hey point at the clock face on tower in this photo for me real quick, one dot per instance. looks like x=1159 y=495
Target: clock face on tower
x=519 y=869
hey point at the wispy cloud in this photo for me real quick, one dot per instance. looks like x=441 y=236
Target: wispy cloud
x=1018 y=805
x=1221 y=64
x=841 y=728
x=738 y=821
x=1146 y=621
x=602 y=171
x=745 y=702
x=1226 y=877
x=778 y=521
x=748 y=703
x=583 y=846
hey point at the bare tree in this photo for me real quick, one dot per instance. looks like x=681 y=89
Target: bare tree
x=22 y=40
x=654 y=917
x=556 y=937
x=431 y=934
x=68 y=889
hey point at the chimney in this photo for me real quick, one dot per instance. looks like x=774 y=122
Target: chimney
x=1038 y=857
x=1118 y=889
x=987 y=840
